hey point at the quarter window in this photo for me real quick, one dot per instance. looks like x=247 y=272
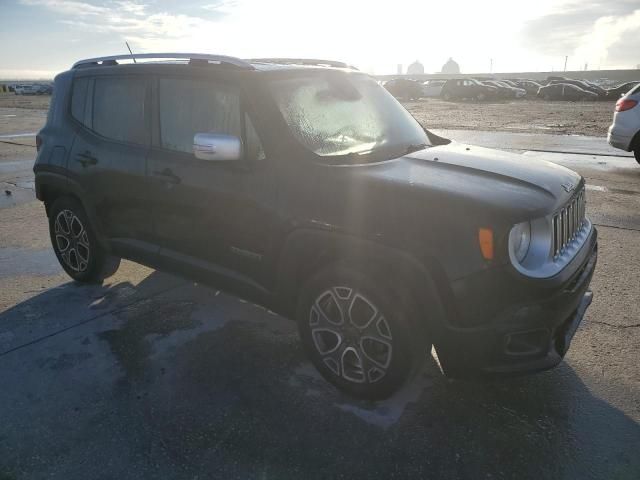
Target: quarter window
x=118 y=109
x=78 y=99
x=190 y=106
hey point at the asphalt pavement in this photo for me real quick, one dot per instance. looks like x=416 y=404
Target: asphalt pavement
x=153 y=376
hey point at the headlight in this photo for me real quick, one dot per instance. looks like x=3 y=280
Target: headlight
x=520 y=240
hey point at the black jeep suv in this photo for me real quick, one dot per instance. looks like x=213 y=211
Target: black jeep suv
x=305 y=186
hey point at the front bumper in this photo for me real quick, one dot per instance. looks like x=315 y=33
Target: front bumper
x=530 y=337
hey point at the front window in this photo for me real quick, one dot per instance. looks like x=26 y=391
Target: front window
x=336 y=114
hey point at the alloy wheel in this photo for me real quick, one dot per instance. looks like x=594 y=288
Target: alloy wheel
x=72 y=240
x=351 y=335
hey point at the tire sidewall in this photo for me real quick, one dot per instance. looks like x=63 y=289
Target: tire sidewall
x=403 y=360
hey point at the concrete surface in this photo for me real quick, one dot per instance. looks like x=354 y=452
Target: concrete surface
x=152 y=376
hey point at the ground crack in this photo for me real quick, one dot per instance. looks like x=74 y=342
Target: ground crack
x=636 y=325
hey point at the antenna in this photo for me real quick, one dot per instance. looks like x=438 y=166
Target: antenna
x=127 y=44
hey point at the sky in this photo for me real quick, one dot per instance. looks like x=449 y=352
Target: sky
x=39 y=38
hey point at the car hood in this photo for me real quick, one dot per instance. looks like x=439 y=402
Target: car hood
x=506 y=181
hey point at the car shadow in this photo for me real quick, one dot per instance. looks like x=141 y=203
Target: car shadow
x=168 y=378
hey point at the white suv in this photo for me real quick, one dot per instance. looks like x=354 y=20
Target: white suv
x=624 y=132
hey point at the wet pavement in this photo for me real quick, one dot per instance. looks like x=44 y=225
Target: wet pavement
x=153 y=376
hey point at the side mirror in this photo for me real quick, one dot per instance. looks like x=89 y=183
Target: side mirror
x=216 y=147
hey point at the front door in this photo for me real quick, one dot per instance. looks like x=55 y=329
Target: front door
x=214 y=212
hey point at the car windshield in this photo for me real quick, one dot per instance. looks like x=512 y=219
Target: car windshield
x=334 y=114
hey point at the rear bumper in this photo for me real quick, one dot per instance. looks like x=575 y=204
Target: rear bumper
x=529 y=337
x=618 y=139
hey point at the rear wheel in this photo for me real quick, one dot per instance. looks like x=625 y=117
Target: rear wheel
x=358 y=334
x=446 y=96
x=636 y=153
x=75 y=243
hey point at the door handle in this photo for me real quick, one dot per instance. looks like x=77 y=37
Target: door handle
x=86 y=159
x=167 y=175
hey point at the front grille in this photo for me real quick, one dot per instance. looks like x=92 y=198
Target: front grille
x=568 y=222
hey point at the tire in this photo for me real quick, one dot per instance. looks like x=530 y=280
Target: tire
x=358 y=334
x=480 y=97
x=636 y=153
x=75 y=244
x=447 y=97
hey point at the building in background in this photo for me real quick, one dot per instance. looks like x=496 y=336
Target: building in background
x=451 y=66
x=416 y=68
x=399 y=69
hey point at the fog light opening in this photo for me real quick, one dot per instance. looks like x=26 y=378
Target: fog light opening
x=532 y=342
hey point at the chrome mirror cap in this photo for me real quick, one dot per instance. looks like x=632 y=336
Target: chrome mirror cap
x=217 y=147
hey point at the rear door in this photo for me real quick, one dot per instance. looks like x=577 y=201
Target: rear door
x=108 y=157
x=214 y=212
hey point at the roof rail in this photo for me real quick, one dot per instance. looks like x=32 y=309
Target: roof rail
x=302 y=61
x=112 y=60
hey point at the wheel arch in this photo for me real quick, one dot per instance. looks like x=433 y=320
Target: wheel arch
x=307 y=251
x=635 y=142
x=51 y=185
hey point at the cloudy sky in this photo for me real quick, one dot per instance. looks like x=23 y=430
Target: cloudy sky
x=42 y=37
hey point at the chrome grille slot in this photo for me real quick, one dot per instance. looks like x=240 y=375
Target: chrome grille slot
x=568 y=222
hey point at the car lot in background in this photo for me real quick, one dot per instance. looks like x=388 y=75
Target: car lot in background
x=624 y=132
x=33 y=89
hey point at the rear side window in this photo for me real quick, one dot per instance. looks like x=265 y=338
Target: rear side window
x=79 y=98
x=191 y=106
x=118 y=109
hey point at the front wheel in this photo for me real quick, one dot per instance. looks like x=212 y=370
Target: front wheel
x=75 y=243
x=358 y=334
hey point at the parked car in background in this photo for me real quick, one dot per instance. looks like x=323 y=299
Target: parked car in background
x=616 y=92
x=404 y=89
x=511 y=83
x=599 y=91
x=432 y=88
x=504 y=90
x=624 y=132
x=27 y=89
x=565 y=91
x=529 y=86
x=467 y=88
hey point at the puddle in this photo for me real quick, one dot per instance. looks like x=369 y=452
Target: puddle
x=16 y=197
x=16 y=135
x=16 y=166
x=24 y=261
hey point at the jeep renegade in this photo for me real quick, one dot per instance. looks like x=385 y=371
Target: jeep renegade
x=305 y=186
